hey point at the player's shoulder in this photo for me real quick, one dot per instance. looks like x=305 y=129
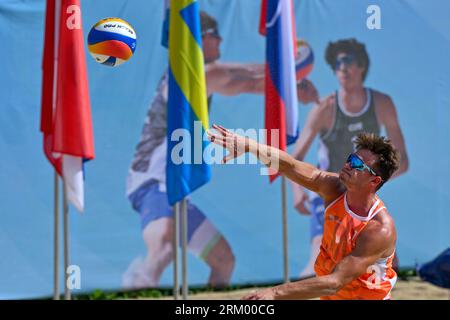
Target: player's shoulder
x=326 y=105
x=212 y=67
x=381 y=98
x=381 y=226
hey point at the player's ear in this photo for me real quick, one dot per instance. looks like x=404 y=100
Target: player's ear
x=377 y=180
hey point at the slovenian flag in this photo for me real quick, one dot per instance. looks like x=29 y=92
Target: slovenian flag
x=277 y=23
x=187 y=104
x=66 y=121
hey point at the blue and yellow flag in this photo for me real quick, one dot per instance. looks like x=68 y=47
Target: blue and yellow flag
x=187 y=111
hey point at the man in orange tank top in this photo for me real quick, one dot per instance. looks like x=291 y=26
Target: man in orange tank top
x=358 y=246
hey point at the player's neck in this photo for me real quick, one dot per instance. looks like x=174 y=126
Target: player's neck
x=353 y=99
x=360 y=202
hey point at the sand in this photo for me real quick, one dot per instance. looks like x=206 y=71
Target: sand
x=412 y=289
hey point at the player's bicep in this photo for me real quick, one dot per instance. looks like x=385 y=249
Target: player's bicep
x=370 y=246
x=352 y=267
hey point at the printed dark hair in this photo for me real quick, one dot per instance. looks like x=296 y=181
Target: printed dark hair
x=348 y=46
x=207 y=21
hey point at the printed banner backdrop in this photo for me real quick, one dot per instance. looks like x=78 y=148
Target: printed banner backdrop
x=408 y=60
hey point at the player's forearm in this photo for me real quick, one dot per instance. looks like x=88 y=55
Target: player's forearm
x=299 y=172
x=248 y=78
x=257 y=85
x=242 y=85
x=248 y=71
x=255 y=70
x=307 y=289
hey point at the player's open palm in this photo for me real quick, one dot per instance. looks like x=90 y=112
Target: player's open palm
x=235 y=144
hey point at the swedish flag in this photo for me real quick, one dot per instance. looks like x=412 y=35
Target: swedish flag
x=187 y=113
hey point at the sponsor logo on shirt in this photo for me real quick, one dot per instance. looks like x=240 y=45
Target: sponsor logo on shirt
x=352 y=127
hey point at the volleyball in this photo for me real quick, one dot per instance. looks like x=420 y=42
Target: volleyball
x=112 y=41
x=304 y=60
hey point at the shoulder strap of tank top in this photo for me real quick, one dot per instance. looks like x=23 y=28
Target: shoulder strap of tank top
x=325 y=135
x=372 y=101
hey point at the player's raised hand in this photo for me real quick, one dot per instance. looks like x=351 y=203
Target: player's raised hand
x=307 y=92
x=235 y=144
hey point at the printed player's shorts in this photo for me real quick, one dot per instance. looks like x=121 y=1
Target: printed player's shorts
x=152 y=204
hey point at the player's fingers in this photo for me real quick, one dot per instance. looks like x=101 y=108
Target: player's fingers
x=224 y=129
x=221 y=129
x=217 y=140
x=211 y=136
x=229 y=157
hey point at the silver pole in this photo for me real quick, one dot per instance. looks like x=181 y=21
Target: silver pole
x=176 y=241
x=285 y=231
x=66 y=242
x=56 y=238
x=184 y=248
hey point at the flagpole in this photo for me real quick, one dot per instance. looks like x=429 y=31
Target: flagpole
x=176 y=241
x=56 y=238
x=67 y=295
x=184 y=248
x=285 y=231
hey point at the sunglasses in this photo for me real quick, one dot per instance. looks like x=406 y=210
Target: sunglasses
x=212 y=32
x=346 y=60
x=357 y=163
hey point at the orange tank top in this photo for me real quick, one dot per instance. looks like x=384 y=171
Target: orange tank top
x=341 y=230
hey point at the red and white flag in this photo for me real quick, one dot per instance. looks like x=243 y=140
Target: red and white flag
x=66 y=113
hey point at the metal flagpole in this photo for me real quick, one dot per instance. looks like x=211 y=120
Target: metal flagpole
x=184 y=248
x=56 y=239
x=285 y=231
x=176 y=241
x=56 y=183
x=66 y=242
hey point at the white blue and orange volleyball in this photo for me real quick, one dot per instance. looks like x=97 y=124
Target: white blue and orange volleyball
x=112 y=41
x=304 y=61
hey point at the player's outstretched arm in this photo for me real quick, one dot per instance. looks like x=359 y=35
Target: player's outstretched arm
x=231 y=79
x=327 y=184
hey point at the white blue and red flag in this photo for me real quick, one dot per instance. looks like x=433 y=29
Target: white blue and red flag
x=277 y=23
